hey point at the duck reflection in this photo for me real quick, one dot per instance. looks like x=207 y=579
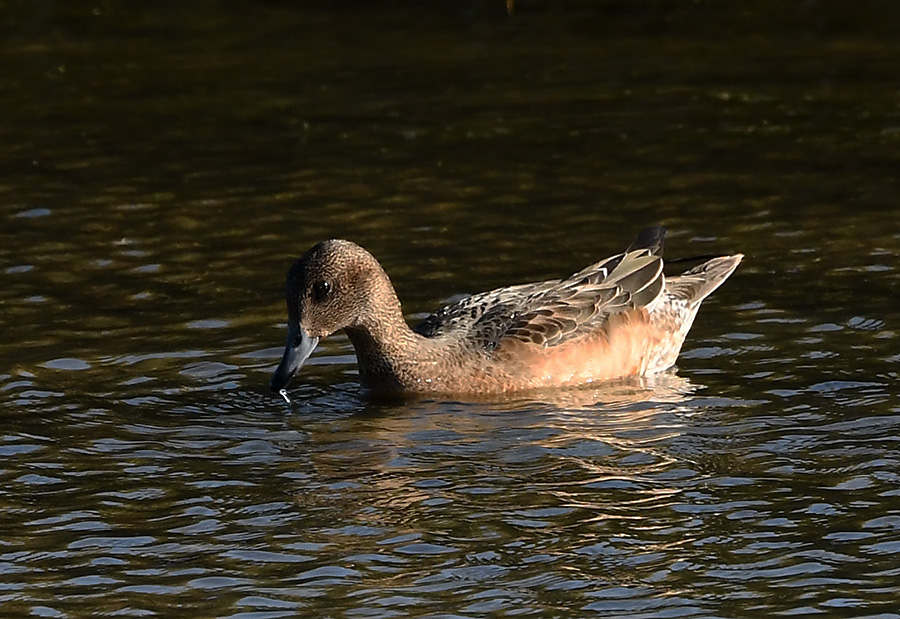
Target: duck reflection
x=401 y=457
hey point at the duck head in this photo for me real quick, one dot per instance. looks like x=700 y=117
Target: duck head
x=332 y=287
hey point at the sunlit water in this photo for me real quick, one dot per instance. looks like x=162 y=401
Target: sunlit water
x=162 y=169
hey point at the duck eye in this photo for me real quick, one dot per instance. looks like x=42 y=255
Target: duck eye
x=320 y=290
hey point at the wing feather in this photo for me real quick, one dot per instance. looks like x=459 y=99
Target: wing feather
x=556 y=312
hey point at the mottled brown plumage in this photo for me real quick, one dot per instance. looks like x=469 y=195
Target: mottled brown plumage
x=618 y=317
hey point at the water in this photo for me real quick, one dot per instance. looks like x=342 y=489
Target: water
x=161 y=167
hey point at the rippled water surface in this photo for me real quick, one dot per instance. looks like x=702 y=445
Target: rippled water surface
x=161 y=166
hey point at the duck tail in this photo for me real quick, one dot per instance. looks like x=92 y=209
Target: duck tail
x=653 y=238
x=698 y=283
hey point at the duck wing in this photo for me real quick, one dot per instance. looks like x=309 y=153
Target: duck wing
x=480 y=315
x=554 y=312
x=582 y=304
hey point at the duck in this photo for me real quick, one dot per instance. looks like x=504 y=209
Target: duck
x=615 y=318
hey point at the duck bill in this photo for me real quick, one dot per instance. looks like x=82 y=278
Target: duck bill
x=297 y=350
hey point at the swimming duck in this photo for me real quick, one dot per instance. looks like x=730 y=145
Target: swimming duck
x=618 y=317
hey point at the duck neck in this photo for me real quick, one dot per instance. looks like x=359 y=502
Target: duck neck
x=386 y=348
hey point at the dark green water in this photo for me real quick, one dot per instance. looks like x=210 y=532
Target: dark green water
x=161 y=166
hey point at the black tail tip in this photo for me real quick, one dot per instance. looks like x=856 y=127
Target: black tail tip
x=652 y=238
